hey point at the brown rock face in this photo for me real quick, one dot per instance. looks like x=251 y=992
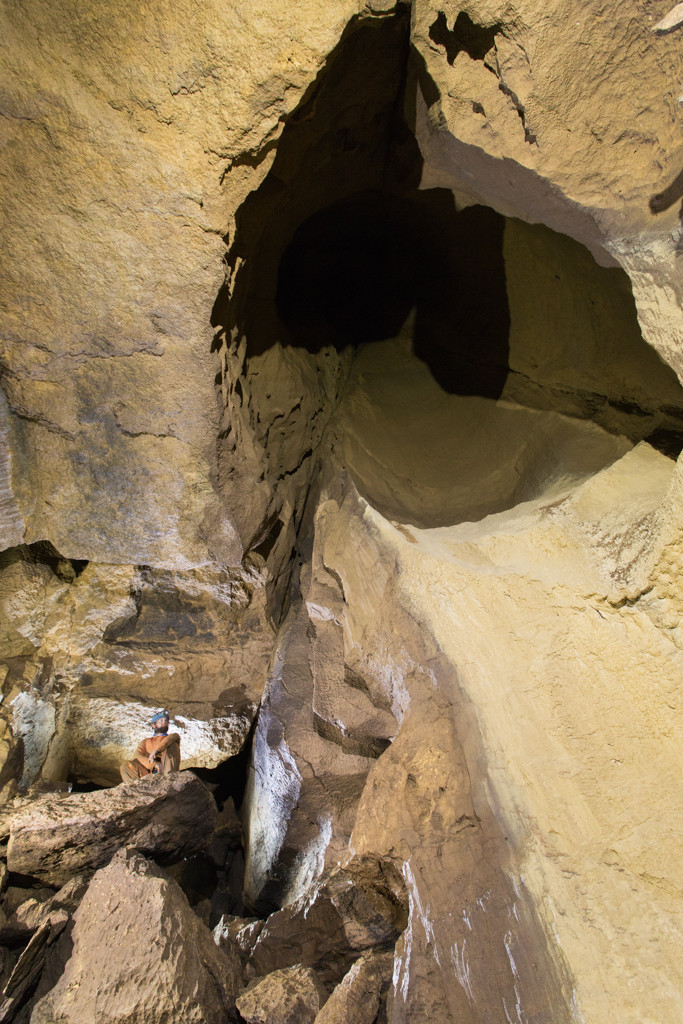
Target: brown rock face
x=359 y=906
x=140 y=954
x=290 y=996
x=169 y=817
x=33 y=913
x=356 y=999
x=341 y=387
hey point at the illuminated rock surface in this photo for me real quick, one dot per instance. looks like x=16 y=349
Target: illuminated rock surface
x=341 y=412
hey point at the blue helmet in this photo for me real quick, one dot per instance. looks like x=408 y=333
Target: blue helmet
x=159 y=715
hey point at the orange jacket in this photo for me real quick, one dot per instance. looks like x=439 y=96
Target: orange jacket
x=155 y=745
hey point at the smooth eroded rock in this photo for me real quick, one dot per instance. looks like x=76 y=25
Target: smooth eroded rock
x=140 y=954
x=167 y=817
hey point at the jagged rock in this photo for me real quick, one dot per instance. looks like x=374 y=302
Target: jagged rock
x=320 y=730
x=140 y=954
x=32 y=913
x=356 y=999
x=535 y=694
x=99 y=653
x=29 y=966
x=356 y=907
x=168 y=817
x=227 y=836
x=239 y=933
x=16 y=895
x=292 y=995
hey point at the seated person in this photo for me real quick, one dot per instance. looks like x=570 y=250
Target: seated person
x=160 y=753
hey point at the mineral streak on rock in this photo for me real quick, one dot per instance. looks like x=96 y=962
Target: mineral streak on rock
x=56 y=837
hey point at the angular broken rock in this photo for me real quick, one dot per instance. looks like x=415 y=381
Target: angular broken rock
x=33 y=913
x=237 y=933
x=167 y=817
x=356 y=907
x=672 y=20
x=28 y=968
x=290 y=996
x=140 y=954
x=356 y=999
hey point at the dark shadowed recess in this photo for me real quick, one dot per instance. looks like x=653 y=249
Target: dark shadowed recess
x=338 y=246
x=475 y=40
x=354 y=271
x=216 y=875
x=42 y=552
x=228 y=780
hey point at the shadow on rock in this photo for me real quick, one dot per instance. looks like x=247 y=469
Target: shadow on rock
x=58 y=836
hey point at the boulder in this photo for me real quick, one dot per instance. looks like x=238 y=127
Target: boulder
x=357 y=907
x=167 y=817
x=356 y=999
x=290 y=996
x=140 y=954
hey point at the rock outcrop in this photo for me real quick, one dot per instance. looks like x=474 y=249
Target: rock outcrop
x=57 y=837
x=360 y=906
x=92 y=651
x=140 y=953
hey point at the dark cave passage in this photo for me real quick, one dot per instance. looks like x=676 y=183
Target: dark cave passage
x=354 y=271
x=339 y=250
x=339 y=246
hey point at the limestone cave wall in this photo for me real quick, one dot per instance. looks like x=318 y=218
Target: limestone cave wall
x=341 y=413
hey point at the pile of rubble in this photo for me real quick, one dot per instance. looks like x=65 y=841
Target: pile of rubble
x=94 y=925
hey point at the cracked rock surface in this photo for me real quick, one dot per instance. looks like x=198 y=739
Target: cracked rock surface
x=56 y=837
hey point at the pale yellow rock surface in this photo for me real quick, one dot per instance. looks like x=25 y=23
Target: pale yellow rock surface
x=423 y=456
x=566 y=696
x=572 y=118
x=120 y=130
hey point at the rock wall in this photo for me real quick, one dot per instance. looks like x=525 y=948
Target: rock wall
x=341 y=360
